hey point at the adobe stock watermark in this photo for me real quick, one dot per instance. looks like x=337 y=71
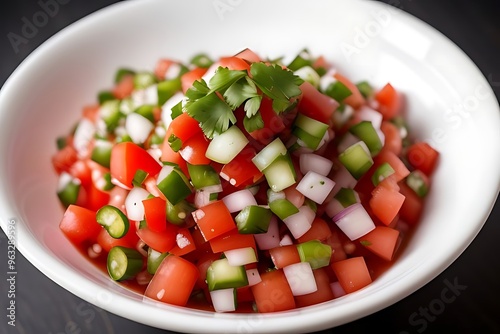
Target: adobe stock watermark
x=222 y=7
x=461 y=111
x=31 y=25
x=11 y=272
x=421 y=318
x=363 y=35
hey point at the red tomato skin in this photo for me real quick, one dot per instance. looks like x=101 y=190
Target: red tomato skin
x=63 y=159
x=129 y=240
x=214 y=220
x=79 y=224
x=159 y=241
x=352 y=273
x=389 y=102
x=174 y=281
x=316 y=105
x=187 y=79
x=273 y=294
x=382 y=241
x=386 y=203
x=194 y=149
x=284 y=255
x=190 y=245
x=232 y=240
x=155 y=212
x=124 y=88
x=423 y=157
x=127 y=158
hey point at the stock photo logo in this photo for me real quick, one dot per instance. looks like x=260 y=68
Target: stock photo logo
x=31 y=24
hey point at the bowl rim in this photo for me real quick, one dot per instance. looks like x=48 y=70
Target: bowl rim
x=288 y=321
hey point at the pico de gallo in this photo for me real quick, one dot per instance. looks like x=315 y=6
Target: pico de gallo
x=218 y=183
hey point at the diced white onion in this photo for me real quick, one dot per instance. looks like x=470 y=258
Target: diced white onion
x=138 y=127
x=300 y=278
x=134 y=205
x=347 y=140
x=173 y=71
x=64 y=180
x=286 y=240
x=274 y=195
x=240 y=256
x=354 y=221
x=316 y=163
x=341 y=117
x=337 y=289
x=253 y=277
x=315 y=186
x=298 y=224
x=223 y=300
x=144 y=96
x=308 y=213
x=84 y=133
x=342 y=179
x=327 y=79
x=166 y=109
x=238 y=200
x=307 y=73
x=271 y=238
x=333 y=207
x=366 y=113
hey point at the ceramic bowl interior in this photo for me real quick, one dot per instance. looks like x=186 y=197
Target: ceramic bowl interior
x=448 y=101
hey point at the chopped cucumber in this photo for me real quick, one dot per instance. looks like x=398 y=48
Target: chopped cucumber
x=280 y=174
x=382 y=172
x=268 y=154
x=253 y=219
x=356 y=159
x=154 y=260
x=365 y=131
x=226 y=146
x=221 y=275
x=101 y=153
x=316 y=253
x=283 y=208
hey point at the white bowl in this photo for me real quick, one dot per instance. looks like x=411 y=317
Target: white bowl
x=366 y=40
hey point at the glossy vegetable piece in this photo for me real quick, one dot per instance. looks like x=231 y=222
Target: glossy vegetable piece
x=174 y=281
x=79 y=224
x=273 y=284
x=352 y=273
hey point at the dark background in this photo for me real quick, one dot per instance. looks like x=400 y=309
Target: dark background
x=45 y=308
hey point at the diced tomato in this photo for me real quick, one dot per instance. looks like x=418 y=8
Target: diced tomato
x=423 y=157
x=244 y=294
x=203 y=263
x=63 y=159
x=159 y=241
x=187 y=79
x=319 y=231
x=162 y=67
x=386 y=203
x=382 y=241
x=232 y=240
x=194 y=149
x=184 y=243
x=234 y=63
x=338 y=252
x=389 y=101
x=248 y=55
x=91 y=113
x=356 y=99
x=150 y=184
x=315 y=104
x=352 y=273
x=127 y=158
x=273 y=123
x=168 y=155
x=81 y=170
x=184 y=127
x=174 y=281
x=95 y=198
x=400 y=169
x=214 y=219
x=273 y=293
x=124 y=88
x=321 y=63
x=323 y=294
x=392 y=136
x=79 y=224
x=412 y=208
x=241 y=169
x=155 y=212
x=129 y=240
x=283 y=256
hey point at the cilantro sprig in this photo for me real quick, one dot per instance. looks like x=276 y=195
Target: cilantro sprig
x=213 y=104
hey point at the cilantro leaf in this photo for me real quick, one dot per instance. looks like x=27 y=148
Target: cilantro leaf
x=198 y=90
x=253 y=123
x=252 y=106
x=213 y=114
x=279 y=84
x=223 y=78
x=239 y=92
